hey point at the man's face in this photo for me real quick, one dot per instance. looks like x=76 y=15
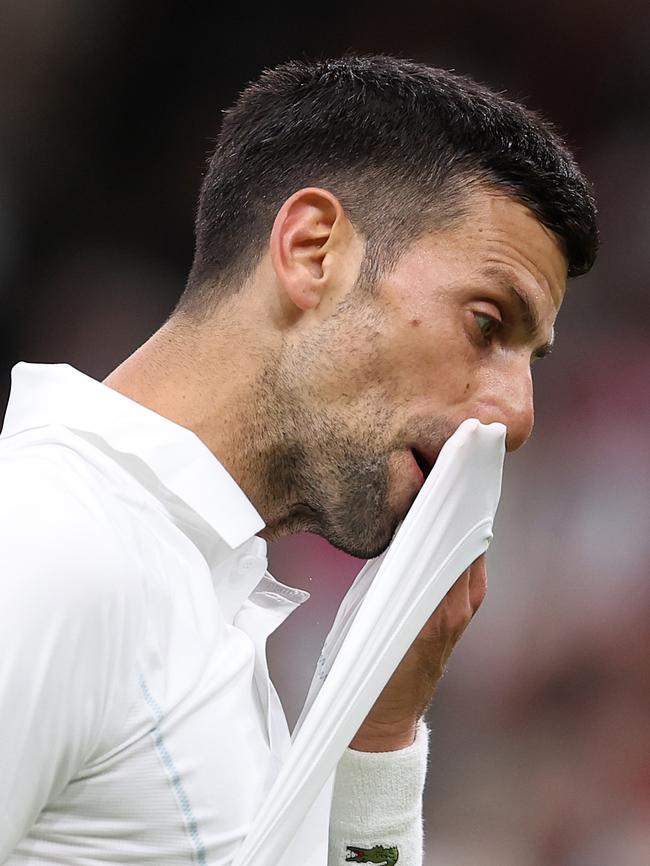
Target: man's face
x=367 y=399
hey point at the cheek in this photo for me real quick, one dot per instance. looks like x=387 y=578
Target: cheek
x=432 y=365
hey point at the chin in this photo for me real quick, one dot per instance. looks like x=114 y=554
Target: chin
x=362 y=520
x=365 y=544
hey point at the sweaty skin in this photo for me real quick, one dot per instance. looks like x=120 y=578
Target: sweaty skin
x=325 y=398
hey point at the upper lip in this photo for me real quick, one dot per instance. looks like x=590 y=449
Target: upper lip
x=425 y=458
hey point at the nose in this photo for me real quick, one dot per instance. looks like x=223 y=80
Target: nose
x=511 y=403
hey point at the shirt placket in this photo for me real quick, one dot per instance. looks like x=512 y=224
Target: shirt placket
x=268 y=606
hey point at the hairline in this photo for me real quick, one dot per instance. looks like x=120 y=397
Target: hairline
x=452 y=214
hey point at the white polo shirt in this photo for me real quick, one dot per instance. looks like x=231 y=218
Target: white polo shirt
x=138 y=723
x=136 y=712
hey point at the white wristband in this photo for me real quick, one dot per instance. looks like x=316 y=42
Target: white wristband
x=377 y=804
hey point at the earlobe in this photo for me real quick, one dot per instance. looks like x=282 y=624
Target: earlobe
x=304 y=233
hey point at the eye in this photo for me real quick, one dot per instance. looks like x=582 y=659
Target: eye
x=488 y=326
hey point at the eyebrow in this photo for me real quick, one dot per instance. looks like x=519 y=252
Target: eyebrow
x=529 y=314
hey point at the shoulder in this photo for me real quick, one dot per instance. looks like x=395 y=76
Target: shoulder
x=71 y=624
x=58 y=535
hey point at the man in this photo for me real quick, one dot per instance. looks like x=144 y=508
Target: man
x=381 y=252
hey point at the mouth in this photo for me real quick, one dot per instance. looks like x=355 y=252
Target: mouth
x=424 y=460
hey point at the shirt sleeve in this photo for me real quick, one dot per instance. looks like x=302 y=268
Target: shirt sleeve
x=67 y=626
x=377 y=806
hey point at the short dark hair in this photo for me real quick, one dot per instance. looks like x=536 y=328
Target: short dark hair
x=397 y=142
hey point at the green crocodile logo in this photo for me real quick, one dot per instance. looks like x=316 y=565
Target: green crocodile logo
x=379 y=855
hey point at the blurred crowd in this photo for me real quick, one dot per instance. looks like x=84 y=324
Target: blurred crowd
x=540 y=745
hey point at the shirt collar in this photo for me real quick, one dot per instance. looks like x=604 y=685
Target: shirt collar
x=46 y=394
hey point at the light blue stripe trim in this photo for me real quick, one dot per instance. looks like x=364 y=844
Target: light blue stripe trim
x=173 y=775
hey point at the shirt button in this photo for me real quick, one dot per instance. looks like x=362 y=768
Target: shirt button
x=250 y=564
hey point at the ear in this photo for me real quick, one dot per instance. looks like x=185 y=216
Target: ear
x=309 y=243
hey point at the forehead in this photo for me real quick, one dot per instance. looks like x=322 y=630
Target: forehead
x=498 y=240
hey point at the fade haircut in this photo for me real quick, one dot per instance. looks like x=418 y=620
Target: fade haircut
x=398 y=143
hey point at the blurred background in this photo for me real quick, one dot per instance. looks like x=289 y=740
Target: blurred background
x=541 y=728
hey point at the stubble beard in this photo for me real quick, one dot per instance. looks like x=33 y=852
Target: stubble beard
x=332 y=484
x=327 y=469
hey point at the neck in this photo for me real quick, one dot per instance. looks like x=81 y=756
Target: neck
x=204 y=378
x=216 y=379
